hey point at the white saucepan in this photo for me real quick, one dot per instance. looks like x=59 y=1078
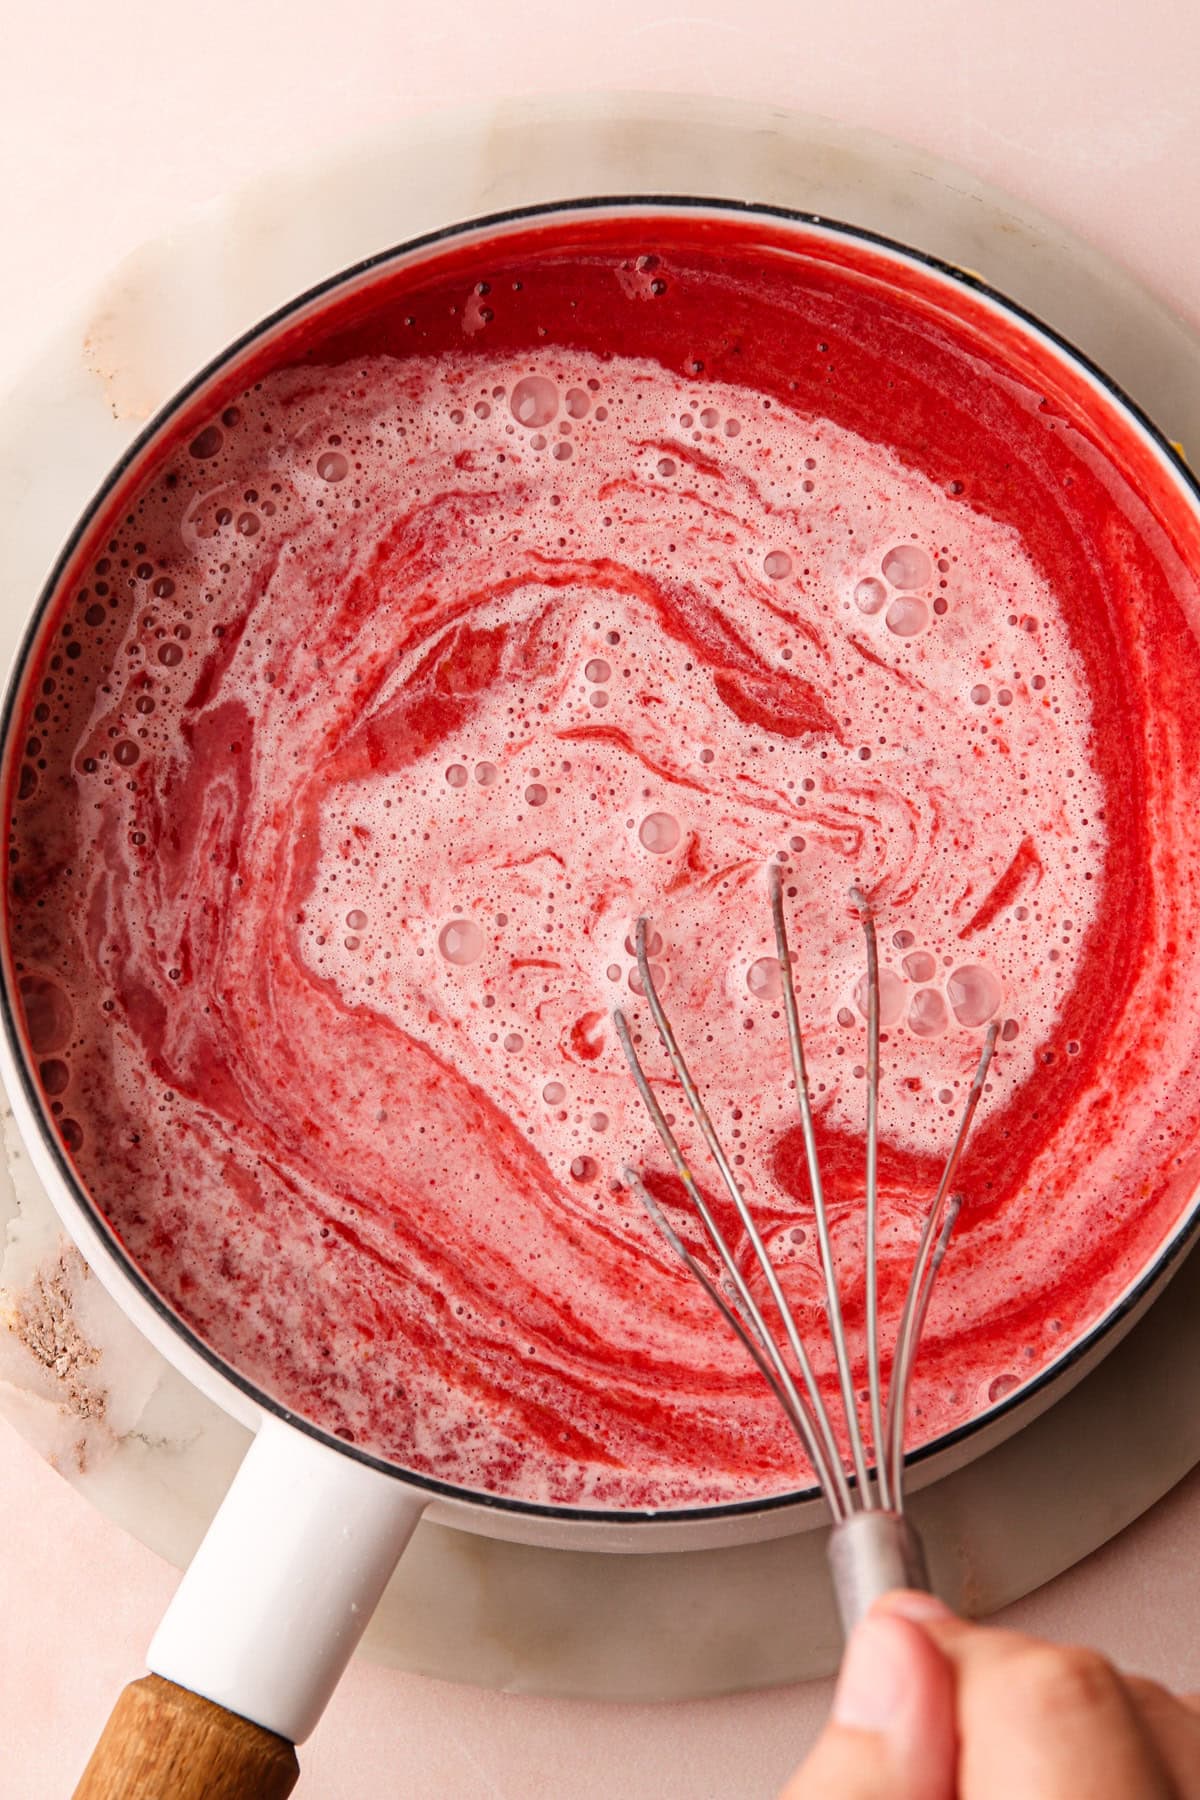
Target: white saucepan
x=278 y=1595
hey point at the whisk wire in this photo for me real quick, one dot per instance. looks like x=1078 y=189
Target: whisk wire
x=813 y=1427
x=837 y=1329
x=925 y=1268
x=920 y=1287
x=664 y=1226
x=874 y=1383
x=807 y=1411
x=708 y=1131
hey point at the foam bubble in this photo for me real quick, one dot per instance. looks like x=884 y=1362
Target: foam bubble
x=461 y=942
x=974 y=993
x=908 y=566
x=764 y=980
x=870 y=595
x=892 y=998
x=207 y=443
x=55 y=1075
x=534 y=401
x=927 y=1015
x=49 y=1017
x=907 y=615
x=659 y=833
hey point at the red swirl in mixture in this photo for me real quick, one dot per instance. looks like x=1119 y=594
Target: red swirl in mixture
x=395 y=700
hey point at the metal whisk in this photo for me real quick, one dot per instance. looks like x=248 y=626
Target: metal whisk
x=873 y=1546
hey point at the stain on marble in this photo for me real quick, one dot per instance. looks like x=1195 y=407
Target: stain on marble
x=42 y=1320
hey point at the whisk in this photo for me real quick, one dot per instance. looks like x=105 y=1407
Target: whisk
x=873 y=1546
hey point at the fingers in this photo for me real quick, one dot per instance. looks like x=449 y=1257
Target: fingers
x=929 y=1707
x=891 y=1735
x=1174 y=1727
x=1039 y=1720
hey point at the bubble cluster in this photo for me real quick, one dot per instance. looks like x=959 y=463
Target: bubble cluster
x=635 y=636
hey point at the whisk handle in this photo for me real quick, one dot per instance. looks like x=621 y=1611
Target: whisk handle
x=871 y=1554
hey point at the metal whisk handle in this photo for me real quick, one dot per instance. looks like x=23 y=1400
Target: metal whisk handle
x=871 y=1554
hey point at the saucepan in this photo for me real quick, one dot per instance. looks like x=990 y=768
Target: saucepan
x=276 y=1598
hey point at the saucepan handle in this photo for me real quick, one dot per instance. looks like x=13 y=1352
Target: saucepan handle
x=262 y=1625
x=163 y=1742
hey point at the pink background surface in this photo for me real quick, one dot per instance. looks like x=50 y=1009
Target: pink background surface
x=114 y=118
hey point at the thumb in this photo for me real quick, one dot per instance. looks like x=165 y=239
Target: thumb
x=892 y=1730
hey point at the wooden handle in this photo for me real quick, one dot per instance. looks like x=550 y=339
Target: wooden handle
x=163 y=1743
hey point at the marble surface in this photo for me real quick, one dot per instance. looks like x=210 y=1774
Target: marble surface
x=122 y=140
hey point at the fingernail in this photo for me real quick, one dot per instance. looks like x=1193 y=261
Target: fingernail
x=875 y=1676
x=908 y=1603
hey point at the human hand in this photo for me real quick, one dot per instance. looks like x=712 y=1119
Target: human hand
x=929 y=1707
